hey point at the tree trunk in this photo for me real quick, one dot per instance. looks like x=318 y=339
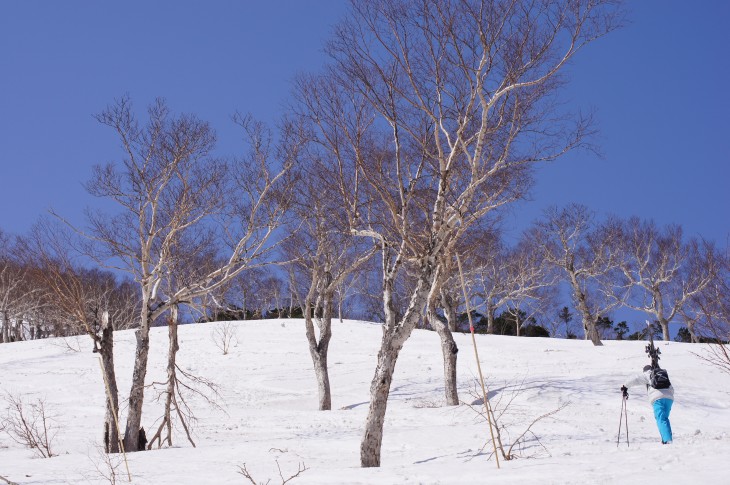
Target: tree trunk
x=318 y=350
x=665 y=328
x=166 y=424
x=5 y=334
x=589 y=327
x=136 y=393
x=395 y=333
x=243 y=305
x=664 y=323
x=19 y=330
x=449 y=311
x=106 y=350
x=323 y=381
x=449 y=351
x=490 y=319
x=589 y=321
x=379 y=391
x=692 y=335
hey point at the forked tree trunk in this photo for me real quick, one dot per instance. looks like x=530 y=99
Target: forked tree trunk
x=318 y=349
x=449 y=312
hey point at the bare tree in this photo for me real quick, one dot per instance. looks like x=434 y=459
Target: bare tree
x=239 y=299
x=243 y=471
x=711 y=309
x=586 y=254
x=30 y=424
x=166 y=186
x=347 y=289
x=224 y=335
x=324 y=255
x=498 y=415
x=660 y=272
x=433 y=113
x=86 y=301
x=530 y=282
x=488 y=275
x=21 y=297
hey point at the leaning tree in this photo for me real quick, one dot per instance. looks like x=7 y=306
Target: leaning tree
x=433 y=113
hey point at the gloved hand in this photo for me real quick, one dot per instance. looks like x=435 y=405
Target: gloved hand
x=625 y=392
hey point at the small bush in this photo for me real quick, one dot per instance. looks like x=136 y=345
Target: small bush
x=29 y=424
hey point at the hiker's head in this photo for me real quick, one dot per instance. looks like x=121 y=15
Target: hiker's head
x=647 y=367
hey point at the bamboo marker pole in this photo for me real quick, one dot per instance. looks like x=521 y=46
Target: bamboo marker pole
x=105 y=320
x=476 y=355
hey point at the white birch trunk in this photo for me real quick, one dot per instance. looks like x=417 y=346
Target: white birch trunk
x=394 y=336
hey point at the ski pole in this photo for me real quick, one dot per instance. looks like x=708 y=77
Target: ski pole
x=626 y=420
x=620 y=421
x=623 y=417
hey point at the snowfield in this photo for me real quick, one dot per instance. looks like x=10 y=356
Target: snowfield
x=268 y=411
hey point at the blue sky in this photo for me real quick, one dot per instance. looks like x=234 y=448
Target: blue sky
x=659 y=88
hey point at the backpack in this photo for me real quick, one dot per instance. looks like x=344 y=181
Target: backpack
x=659 y=378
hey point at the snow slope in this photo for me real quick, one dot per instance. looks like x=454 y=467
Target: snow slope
x=269 y=401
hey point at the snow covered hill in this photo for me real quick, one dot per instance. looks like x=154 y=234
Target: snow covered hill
x=268 y=415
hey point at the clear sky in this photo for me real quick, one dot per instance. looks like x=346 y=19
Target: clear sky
x=659 y=88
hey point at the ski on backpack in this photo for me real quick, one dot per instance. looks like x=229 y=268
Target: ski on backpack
x=658 y=377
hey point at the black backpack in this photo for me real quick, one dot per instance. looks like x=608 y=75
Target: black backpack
x=659 y=378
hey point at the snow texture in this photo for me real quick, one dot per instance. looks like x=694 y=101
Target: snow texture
x=269 y=401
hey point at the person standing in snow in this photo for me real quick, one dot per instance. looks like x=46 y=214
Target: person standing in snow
x=661 y=401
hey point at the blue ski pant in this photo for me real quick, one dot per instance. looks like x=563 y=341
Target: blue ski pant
x=662 y=407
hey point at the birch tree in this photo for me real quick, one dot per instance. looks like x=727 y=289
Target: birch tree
x=191 y=257
x=714 y=312
x=166 y=184
x=660 y=272
x=433 y=114
x=586 y=254
x=530 y=282
x=707 y=313
x=88 y=301
x=515 y=278
x=324 y=255
x=21 y=298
